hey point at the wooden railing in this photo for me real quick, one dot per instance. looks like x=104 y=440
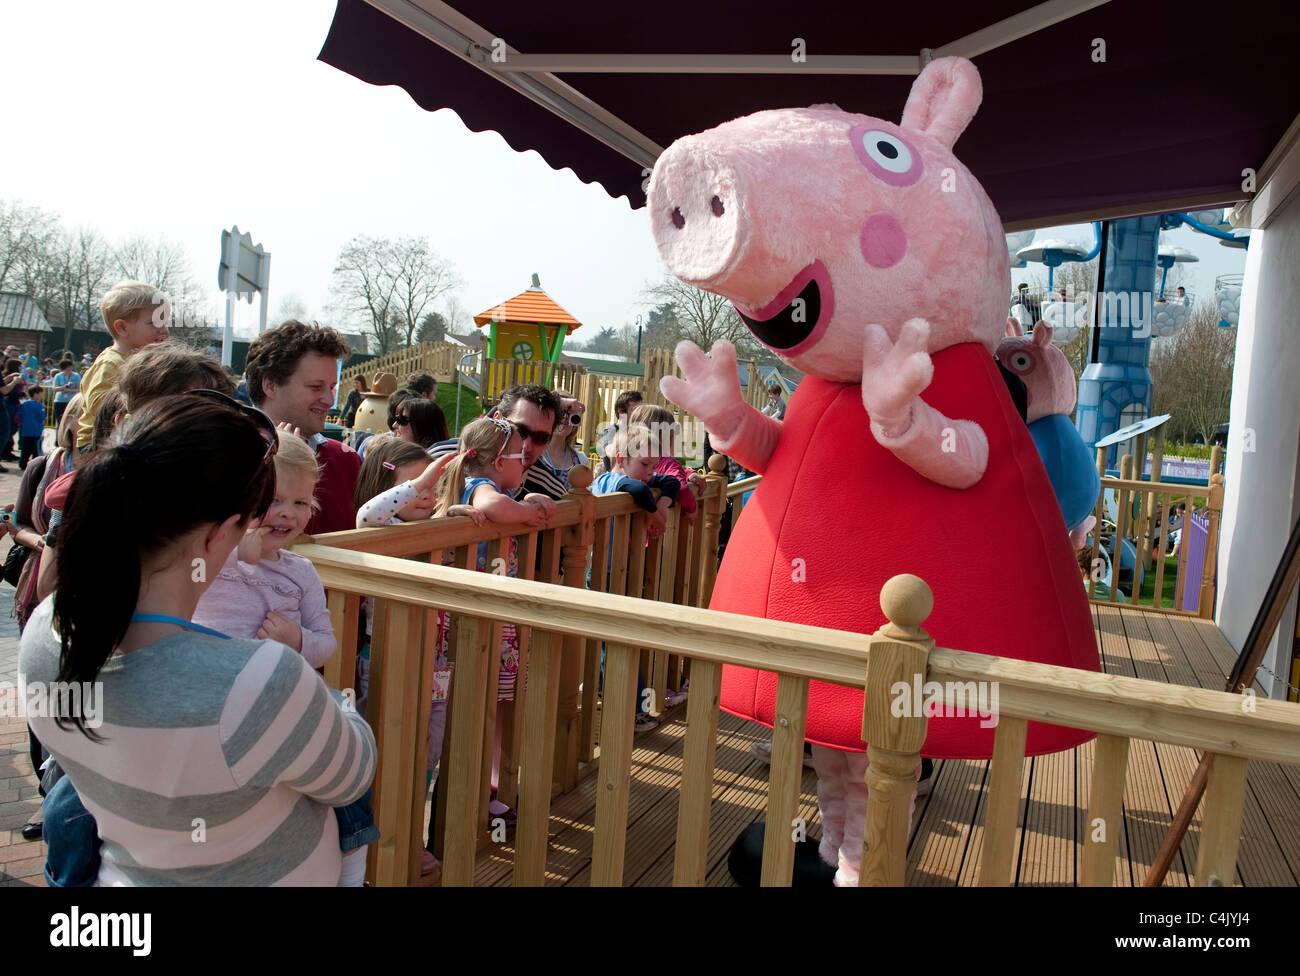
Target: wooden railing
x=587 y=530
x=497 y=374
x=1141 y=511
x=438 y=359
x=1119 y=709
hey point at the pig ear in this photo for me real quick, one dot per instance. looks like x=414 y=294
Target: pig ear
x=1042 y=335
x=944 y=99
x=1013 y=328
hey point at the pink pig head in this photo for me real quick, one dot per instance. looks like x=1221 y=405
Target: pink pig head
x=1046 y=372
x=817 y=222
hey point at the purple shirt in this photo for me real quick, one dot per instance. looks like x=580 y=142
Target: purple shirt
x=243 y=594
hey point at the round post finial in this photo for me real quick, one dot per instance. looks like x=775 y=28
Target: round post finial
x=906 y=600
x=580 y=477
x=717 y=464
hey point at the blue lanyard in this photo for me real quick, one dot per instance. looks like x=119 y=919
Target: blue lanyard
x=163 y=618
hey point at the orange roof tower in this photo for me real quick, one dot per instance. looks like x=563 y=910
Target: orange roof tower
x=530 y=326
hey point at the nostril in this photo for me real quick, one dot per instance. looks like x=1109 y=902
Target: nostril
x=716 y=204
x=678 y=220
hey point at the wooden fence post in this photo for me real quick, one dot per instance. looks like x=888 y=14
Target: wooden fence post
x=714 y=507
x=1205 y=604
x=590 y=395
x=898 y=656
x=577 y=541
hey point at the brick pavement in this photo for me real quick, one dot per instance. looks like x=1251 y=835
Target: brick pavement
x=21 y=861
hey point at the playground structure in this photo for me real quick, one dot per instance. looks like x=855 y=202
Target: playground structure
x=1128 y=308
x=628 y=812
x=531 y=327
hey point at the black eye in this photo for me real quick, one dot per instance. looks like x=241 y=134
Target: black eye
x=888 y=150
x=716 y=204
x=678 y=220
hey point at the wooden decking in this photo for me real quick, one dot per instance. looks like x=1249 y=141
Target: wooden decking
x=947 y=831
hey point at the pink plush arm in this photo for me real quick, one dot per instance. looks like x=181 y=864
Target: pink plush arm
x=711 y=391
x=952 y=453
x=753 y=441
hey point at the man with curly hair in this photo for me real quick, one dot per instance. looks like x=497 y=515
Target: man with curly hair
x=292 y=374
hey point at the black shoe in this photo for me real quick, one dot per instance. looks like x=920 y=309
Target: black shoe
x=32 y=831
x=745 y=861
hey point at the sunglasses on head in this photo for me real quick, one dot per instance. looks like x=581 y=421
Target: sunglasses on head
x=508 y=428
x=265 y=426
x=401 y=419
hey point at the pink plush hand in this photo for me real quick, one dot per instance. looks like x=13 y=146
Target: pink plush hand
x=711 y=389
x=894 y=374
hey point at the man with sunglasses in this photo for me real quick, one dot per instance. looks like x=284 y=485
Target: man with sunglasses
x=292 y=373
x=533 y=411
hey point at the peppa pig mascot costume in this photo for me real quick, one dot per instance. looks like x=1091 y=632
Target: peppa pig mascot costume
x=865 y=254
x=1050 y=394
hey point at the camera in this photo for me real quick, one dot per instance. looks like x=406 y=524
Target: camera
x=575 y=419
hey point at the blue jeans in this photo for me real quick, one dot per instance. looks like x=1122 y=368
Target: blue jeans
x=6 y=429
x=73 y=839
x=640 y=684
x=356 y=824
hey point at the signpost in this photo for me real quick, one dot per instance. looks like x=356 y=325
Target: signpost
x=245 y=270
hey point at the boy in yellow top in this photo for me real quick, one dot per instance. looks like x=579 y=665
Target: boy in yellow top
x=136 y=315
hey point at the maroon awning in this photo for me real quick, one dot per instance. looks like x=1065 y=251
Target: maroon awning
x=1191 y=91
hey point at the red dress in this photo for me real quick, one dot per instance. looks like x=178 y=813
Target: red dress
x=996 y=555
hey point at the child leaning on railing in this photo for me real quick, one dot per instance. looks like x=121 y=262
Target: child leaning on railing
x=484 y=475
x=395 y=485
x=633 y=455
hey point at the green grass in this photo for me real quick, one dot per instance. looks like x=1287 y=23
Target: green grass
x=1146 y=597
x=469 y=406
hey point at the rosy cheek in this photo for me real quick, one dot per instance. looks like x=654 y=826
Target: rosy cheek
x=883 y=240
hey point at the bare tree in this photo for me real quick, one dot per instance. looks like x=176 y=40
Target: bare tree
x=1191 y=375
x=459 y=320
x=81 y=276
x=28 y=243
x=422 y=277
x=389 y=285
x=155 y=261
x=364 y=285
x=290 y=307
x=701 y=316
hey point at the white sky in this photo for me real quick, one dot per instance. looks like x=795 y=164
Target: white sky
x=179 y=119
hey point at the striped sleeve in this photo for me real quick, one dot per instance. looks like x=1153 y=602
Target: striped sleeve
x=282 y=726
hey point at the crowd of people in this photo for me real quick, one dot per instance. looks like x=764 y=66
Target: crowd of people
x=249 y=769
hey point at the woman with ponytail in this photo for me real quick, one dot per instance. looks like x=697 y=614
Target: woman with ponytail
x=205 y=760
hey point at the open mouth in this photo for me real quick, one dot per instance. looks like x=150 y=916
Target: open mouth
x=797 y=317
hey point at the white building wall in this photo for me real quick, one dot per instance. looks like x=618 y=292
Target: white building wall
x=1261 y=502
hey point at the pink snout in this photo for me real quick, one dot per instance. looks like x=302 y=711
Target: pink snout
x=694 y=213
